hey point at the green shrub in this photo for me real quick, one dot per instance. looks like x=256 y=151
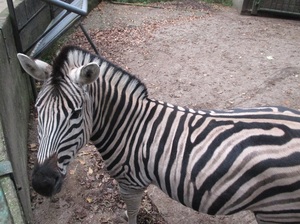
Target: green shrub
x=140 y=1
x=223 y=2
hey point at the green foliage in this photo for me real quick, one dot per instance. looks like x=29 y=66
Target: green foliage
x=140 y=1
x=223 y=2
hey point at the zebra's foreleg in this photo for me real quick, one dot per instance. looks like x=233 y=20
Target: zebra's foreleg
x=132 y=199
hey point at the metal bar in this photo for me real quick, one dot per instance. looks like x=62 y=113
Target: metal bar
x=255 y=7
x=89 y=39
x=290 y=6
x=69 y=7
x=280 y=11
x=282 y=6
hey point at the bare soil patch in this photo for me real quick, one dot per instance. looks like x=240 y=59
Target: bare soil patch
x=190 y=54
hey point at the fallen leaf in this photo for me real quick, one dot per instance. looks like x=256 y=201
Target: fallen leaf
x=90 y=171
x=82 y=162
x=33 y=147
x=89 y=200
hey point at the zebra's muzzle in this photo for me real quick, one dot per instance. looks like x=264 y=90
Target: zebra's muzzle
x=46 y=178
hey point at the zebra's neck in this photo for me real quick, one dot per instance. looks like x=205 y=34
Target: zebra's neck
x=117 y=97
x=120 y=82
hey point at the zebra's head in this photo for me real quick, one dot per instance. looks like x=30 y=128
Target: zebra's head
x=64 y=109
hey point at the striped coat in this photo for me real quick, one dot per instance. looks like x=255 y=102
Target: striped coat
x=216 y=162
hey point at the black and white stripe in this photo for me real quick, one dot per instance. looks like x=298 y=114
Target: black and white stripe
x=217 y=162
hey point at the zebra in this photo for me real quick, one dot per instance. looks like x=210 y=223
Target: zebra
x=217 y=162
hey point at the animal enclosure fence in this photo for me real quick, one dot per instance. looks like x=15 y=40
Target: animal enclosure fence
x=283 y=7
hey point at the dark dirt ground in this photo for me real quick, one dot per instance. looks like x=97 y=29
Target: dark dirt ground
x=190 y=54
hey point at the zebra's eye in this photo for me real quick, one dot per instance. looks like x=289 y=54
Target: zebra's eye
x=76 y=114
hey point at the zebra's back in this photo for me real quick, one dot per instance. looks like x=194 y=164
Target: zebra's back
x=222 y=162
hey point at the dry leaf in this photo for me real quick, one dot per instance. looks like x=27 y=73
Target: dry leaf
x=89 y=200
x=90 y=171
x=82 y=162
x=33 y=147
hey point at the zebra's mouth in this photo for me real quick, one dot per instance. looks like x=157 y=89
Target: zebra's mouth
x=45 y=184
x=47 y=180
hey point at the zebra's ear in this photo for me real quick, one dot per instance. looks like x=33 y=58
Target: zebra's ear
x=85 y=74
x=38 y=69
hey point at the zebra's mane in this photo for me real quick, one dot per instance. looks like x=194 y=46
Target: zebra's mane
x=72 y=56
